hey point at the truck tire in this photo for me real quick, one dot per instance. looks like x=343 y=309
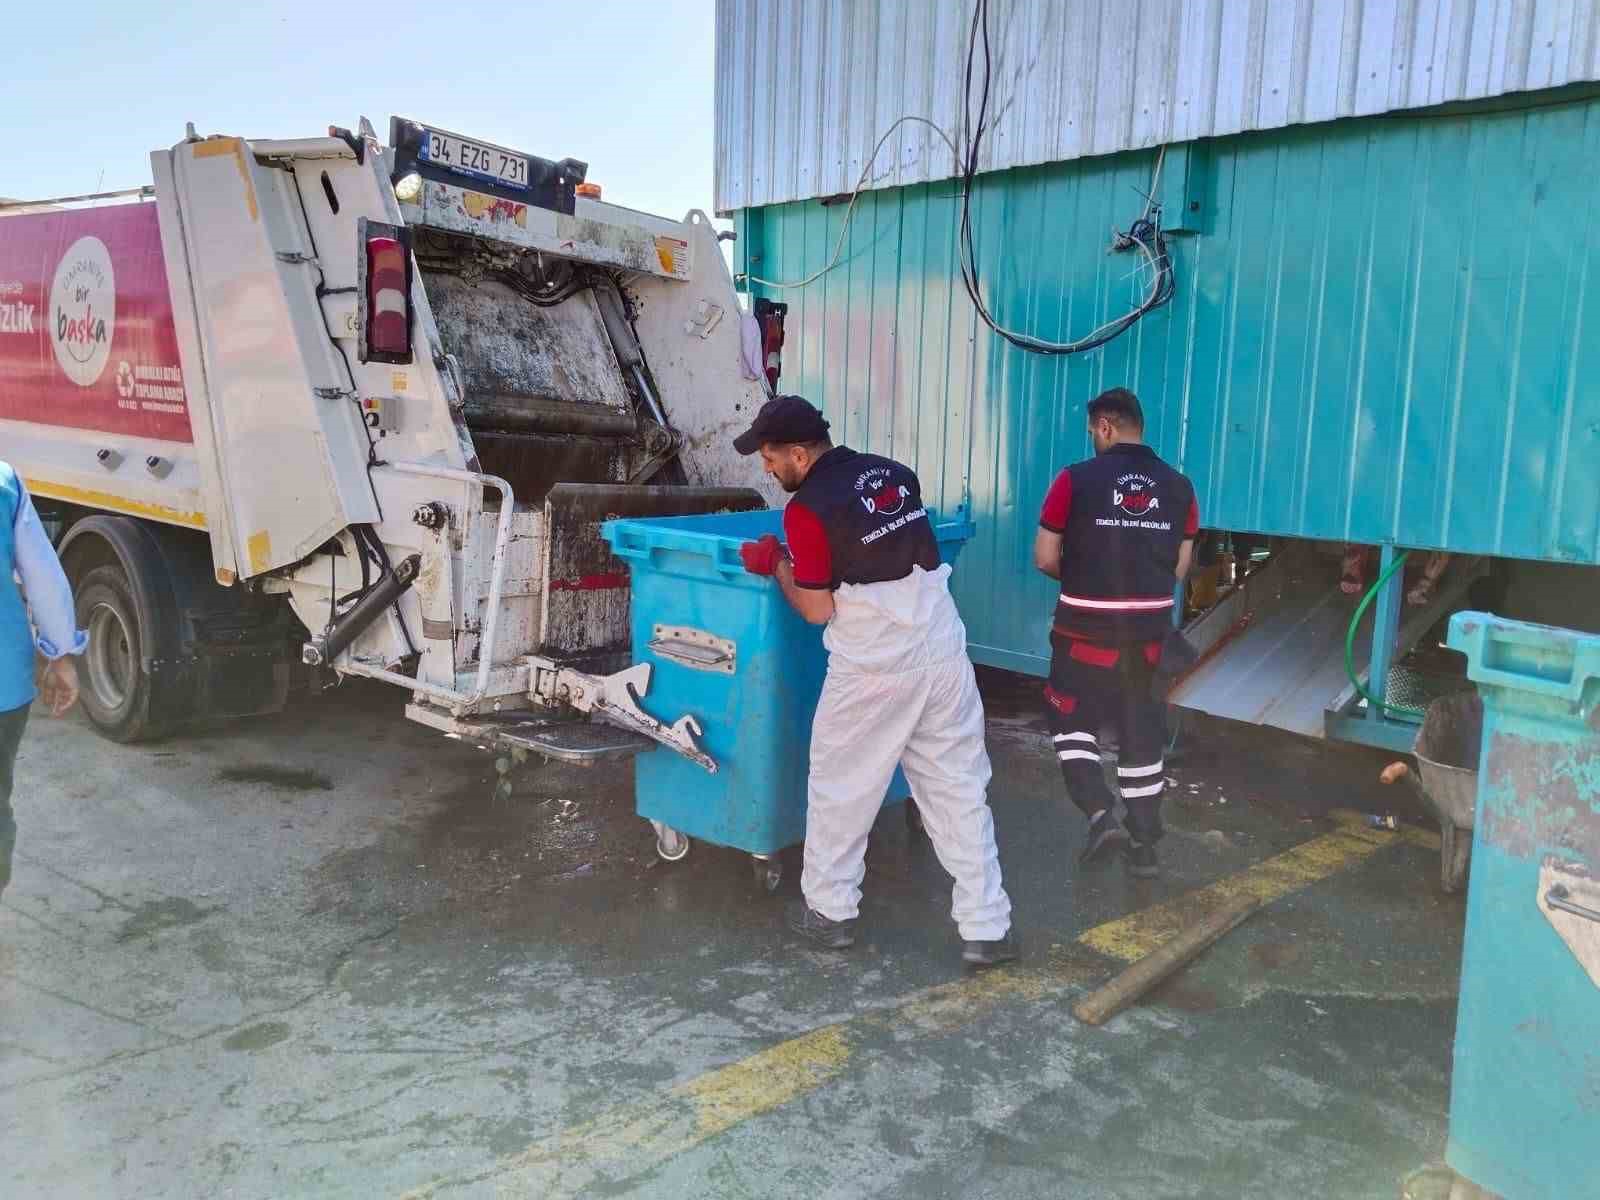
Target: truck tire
x=114 y=686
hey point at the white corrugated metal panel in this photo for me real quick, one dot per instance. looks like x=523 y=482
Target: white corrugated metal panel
x=806 y=87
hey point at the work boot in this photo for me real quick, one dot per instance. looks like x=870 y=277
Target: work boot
x=819 y=930
x=1105 y=833
x=1142 y=862
x=989 y=953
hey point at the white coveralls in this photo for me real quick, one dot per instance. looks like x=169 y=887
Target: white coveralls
x=900 y=690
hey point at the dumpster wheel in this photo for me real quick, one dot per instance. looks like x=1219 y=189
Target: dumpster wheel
x=768 y=872
x=671 y=846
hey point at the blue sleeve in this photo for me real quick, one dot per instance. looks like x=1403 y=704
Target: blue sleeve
x=45 y=586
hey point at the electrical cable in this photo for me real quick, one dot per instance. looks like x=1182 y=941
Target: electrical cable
x=363 y=531
x=387 y=567
x=324 y=290
x=519 y=283
x=849 y=213
x=1144 y=234
x=366 y=576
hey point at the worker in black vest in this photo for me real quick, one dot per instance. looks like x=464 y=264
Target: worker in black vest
x=1118 y=531
x=862 y=559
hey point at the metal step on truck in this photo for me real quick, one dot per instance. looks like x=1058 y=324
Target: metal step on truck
x=326 y=406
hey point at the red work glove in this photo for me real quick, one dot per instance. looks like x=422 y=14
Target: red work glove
x=763 y=557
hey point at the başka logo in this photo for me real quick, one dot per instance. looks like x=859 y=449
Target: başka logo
x=880 y=495
x=887 y=500
x=83 y=310
x=1135 y=495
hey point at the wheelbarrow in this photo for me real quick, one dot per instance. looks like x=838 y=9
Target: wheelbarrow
x=1446 y=778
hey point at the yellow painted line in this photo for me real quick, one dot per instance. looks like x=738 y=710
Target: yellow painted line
x=635 y=1138
x=638 y=1136
x=681 y=1118
x=951 y=1006
x=1134 y=936
x=136 y=508
x=765 y=1080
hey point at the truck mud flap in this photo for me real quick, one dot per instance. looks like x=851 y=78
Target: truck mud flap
x=586 y=594
x=213 y=687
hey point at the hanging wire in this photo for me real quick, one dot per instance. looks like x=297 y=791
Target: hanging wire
x=849 y=213
x=1144 y=235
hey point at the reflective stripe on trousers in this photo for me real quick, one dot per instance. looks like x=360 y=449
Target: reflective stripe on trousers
x=1083 y=698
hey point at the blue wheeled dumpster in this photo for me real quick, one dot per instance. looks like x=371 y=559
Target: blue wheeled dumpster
x=1525 y=1094
x=727 y=647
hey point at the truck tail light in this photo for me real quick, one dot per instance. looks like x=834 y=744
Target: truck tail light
x=385 y=290
x=771 y=317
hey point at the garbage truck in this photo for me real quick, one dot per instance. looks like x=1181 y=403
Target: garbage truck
x=327 y=407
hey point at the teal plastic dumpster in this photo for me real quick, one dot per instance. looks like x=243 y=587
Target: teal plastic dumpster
x=728 y=648
x=1525 y=1094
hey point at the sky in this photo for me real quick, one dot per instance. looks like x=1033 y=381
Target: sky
x=89 y=87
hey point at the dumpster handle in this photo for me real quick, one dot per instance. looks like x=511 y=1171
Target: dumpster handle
x=1557 y=897
x=1570 y=686
x=726 y=557
x=630 y=543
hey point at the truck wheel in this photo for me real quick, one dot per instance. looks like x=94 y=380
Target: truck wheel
x=114 y=686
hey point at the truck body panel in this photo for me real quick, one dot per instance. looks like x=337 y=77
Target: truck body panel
x=270 y=378
x=86 y=333
x=94 y=410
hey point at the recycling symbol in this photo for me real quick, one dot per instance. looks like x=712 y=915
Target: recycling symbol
x=124 y=379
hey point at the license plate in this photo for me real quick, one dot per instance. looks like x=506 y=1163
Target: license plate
x=474 y=158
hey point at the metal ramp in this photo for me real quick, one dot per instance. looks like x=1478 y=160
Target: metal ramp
x=1273 y=651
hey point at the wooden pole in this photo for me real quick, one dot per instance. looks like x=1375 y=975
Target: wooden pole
x=1112 y=997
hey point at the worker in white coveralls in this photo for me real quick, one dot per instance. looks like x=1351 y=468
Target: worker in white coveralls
x=861 y=558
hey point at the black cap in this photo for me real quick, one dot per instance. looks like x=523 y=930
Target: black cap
x=783 y=420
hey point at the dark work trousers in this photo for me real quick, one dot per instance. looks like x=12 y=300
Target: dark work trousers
x=11 y=726
x=1092 y=687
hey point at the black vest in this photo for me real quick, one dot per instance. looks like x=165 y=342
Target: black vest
x=871 y=509
x=1128 y=516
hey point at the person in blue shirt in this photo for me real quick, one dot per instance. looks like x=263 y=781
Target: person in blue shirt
x=35 y=654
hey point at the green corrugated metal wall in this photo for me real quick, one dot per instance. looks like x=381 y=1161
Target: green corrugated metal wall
x=1382 y=332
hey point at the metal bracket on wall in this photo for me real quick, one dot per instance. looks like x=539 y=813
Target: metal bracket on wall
x=1185 y=191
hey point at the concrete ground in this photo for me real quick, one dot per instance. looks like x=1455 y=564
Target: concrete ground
x=315 y=956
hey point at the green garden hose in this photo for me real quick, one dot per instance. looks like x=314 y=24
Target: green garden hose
x=1350 y=637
